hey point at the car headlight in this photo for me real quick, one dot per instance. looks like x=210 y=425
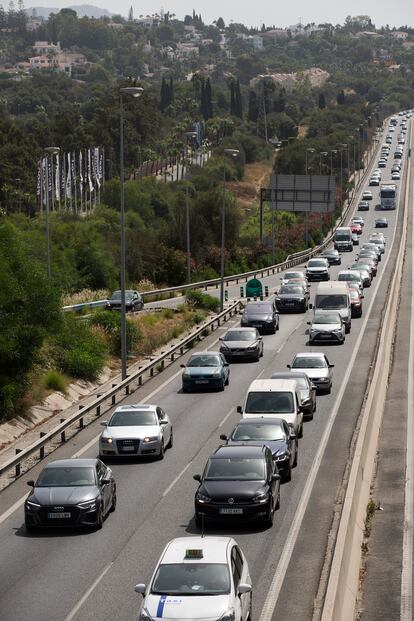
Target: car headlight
x=106 y=440
x=277 y=299
x=337 y=331
x=217 y=374
x=88 y=504
x=260 y=498
x=32 y=506
x=282 y=453
x=229 y=615
x=150 y=439
x=186 y=375
x=145 y=615
x=202 y=497
x=251 y=347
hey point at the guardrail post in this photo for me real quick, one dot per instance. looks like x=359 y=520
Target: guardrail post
x=162 y=363
x=98 y=407
x=63 y=433
x=113 y=401
x=127 y=389
x=267 y=291
x=81 y=419
x=242 y=292
x=226 y=295
x=42 y=448
x=17 y=473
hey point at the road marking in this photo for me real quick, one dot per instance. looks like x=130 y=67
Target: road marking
x=85 y=596
x=177 y=478
x=290 y=541
x=406 y=605
x=12 y=509
x=226 y=417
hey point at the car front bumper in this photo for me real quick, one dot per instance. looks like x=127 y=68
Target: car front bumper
x=231 y=513
x=129 y=448
x=74 y=516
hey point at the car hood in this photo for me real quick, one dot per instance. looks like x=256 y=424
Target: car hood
x=178 y=607
x=239 y=344
x=131 y=432
x=317 y=269
x=63 y=495
x=325 y=327
x=274 y=445
x=314 y=372
x=228 y=489
x=201 y=370
x=257 y=316
x=291 y=296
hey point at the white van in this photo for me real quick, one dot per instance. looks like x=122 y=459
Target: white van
x=276 y=398
x=343 y=239
x=334 y=296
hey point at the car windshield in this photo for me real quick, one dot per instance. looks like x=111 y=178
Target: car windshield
x=330 y=253
x=308 y=362
x=296 y=289
x=330 y=302
x=342 y=236
x=316 y=263
x=66 y=477
x=191 y=579
x=132 y=418
x=235 y=469
x=328 y=318
x=354 y=294
x=258 y=432
x=204 y=360
x=259 y=309
x=240 y=335
x=269 y=403
x=348 y=276
x=117 y=295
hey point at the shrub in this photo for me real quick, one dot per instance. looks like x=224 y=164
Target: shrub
x=55 y=381
x=168 y=313
x=197 y=318
x=197 y=299
x=110 y=323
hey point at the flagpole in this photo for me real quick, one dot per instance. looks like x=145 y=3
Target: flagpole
x=74 y=180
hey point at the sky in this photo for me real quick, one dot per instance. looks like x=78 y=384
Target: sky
x=269 y=12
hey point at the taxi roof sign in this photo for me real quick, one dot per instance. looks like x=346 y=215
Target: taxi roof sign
x=193 y=553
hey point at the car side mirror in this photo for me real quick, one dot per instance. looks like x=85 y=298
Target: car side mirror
x=197 y=477
x=275 y=476
x=223 y=437
x=226 y=364
x=221 y=338
x=140 y=588
x=310 y=306
x=292 y=435
x=30 y=483
x=308 y=323
x=104 y=423
x=331 y=366
x=105 y=481
x=244 y=588
x=362 y=297
x=302 y=409
x=239 y=409
x=260 y=338
x=182 y=366
x=289 y=366
x=164 y=421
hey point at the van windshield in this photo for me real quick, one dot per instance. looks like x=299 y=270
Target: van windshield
x=343 y=236
x=330 y=302
x=269 y=403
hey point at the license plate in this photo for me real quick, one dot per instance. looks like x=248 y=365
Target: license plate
x=128 y=448
x=325 y=336
x=257 y=325
x=231 y=511
x=54 y=516
x=201 y=381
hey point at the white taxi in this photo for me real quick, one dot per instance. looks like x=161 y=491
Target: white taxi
x=198 y=578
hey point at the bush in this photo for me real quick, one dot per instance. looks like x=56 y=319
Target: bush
x=110 y=323
x=55 y=381
x=84 y=364
x=197 y=299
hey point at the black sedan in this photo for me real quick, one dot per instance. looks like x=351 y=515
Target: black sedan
x=133 y=301
x=242 y=343
x=275 y=433
x=292 y=298
x=238 y=483
x=381 y=223
x=71 y=492
x=333 y=256
x=306 y=388
x=261 y=315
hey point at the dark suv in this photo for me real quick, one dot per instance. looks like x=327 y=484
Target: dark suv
x=238 y=483
x=261 y=315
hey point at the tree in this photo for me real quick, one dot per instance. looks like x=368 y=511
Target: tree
x=232 y=99
x=253 y=111
x=131 y=15
x=238 y=103
x=208 y=100
x=220 y=23
x=340 y=98
x=163 y=95
x=321 y=101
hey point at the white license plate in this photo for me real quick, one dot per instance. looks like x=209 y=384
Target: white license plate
x=231 y=511
x=325 y=336
x=201 y=381
x=59 y=515
x=128 y=448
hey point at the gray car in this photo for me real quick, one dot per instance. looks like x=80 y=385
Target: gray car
x=70 y=492
x=292 y=297
x=133 y=301
x=136 y=430
x=317 y=368
x=261 y=315
x=242 y=343
x=205 y=369
x=306 y=388
x=326 y=327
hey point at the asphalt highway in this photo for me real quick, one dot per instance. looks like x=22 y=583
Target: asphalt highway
x=87 y=576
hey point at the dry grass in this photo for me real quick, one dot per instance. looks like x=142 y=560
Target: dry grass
x=86 y=295
x=302 y=131
x=256 y=176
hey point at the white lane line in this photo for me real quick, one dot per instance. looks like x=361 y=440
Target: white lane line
x=226 y=417
x=290 y=541
x=85 y=596
x=406 y=605
x=177 y=478
x=13 y=508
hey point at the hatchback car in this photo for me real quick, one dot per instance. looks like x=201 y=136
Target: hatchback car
x=205 y=369
x=367 y=195
x=242 y=343
x=356 y=228
x=133 y=301
x=261 y=315
x=358 y=220
x=381 y=223
x=363 y=205
x=306 y=389
x=333 y=256
x=374 y=181
x=70 y=492
x=136 y=430
x=292 y=298
x=365 y=272
x=351 y=276
x=317 y=367
x=238 y=483
x=198 y=578
x=326 y=327
x=292 y=274
x=356 y=302
x=395 y=176
x=317 y=269
x=274 y=433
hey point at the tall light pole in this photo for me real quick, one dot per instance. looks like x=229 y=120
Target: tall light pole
x=50 y=151
x=342 y=147
x=310 y=150
x=352 y=140
x=232 y=153
x=333 y=152
x=189 y=135
x=321 y=155
x=132 y=91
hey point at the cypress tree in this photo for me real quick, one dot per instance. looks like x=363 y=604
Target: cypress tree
x=322 y=101
x=341 y=98
x=208 y=100
x=171 y=92
x=253 y=111
x=203 y=107
x=163 y=95
x=238 y=100
x=232 y=99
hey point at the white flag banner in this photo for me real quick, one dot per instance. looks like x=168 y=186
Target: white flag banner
x=81 y=173
x=90 y=172
x=69 y=178
x=97 y=176
x=57 y=179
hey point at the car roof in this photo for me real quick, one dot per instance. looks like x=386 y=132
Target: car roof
x=307 y=354
x=260 y=421
x=269 y=385
x=135 y=406
x=231 y=451
x=241 y=329
x=75 y=462
x=289 y=375
x=206 y=352
x=214 y=550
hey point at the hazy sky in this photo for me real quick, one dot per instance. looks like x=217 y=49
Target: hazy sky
x=392 y=12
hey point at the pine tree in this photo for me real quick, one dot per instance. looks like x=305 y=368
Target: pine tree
x=220 y=23
x=253 y=112
x=232 y=99
x=203 y=108
x=322 y=101
x=131 y=15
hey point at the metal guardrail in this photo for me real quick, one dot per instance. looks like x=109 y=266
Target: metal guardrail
x=110 y=396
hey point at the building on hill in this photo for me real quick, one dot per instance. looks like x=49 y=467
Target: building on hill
x=43 y=48
x=399 y=35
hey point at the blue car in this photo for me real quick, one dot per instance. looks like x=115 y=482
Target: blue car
x=205 y=369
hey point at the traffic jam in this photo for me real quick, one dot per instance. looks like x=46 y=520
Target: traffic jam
x=206 y=576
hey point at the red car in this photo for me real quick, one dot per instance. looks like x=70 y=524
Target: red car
x=356 y=302
x=356 y=228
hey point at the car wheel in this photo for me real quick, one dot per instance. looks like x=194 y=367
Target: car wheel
x=162 y=451
x=309 y=415
x=288 y=476
x=113 y=505
x=99 y=519
x=249 y=614
x=277 y=326
x=295 y=461
x=328 y=392
x=347 y=328
x=228 y=380
x=171 y=442
x=314 y=406
x=269 y=517
x=257 y=357
x=222 y=385
x=300 y=434
x=277 y=507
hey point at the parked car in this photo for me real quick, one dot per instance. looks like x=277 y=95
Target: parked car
x=242 y=343
x=205 y=369
x=292 y=298
x=306 y=388
x=317 y=269
x=326 y=327
x=246 y=474
x=261 y=315
x=70 y=492
x=133 y=301
x=316 y=365
x=274 y=433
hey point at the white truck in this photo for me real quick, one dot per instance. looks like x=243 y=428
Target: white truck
x=388 y=196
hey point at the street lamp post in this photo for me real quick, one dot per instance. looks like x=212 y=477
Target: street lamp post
x=321 y=155
x=50 y=151
x=132 y=91
x=310 y=150
x=232 y=153
x=342 y=147
x=333 y=152
x=190 y=135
